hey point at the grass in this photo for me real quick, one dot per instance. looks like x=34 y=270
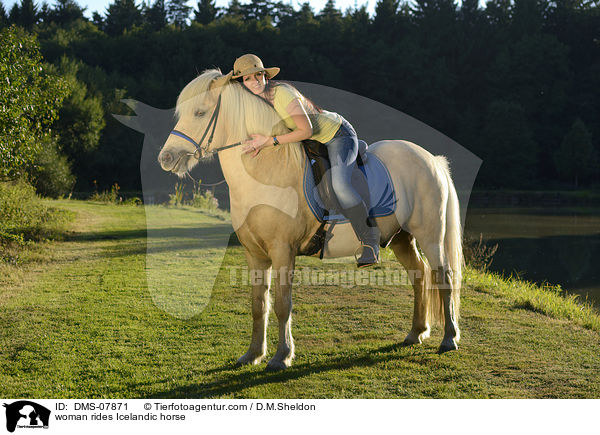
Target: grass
x=86 y=324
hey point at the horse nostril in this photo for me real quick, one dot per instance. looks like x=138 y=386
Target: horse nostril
x=165 y=157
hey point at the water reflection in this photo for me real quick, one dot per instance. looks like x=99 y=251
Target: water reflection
x=544 y=245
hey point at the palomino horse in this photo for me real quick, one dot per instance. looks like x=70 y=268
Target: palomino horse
x=274 y=223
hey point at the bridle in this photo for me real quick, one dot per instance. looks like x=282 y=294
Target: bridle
x=199 y=148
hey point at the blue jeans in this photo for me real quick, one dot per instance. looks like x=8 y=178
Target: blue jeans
x=342 y=150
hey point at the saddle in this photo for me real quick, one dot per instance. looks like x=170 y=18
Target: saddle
x=316 y=152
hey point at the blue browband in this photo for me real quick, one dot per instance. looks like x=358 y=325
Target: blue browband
x=186 y=137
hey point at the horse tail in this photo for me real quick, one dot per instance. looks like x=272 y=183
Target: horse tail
x=453 y=242
x=453 y=252
x=432 y=298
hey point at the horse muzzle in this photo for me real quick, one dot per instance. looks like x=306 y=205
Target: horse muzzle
x=173 y=162
x=166 y=160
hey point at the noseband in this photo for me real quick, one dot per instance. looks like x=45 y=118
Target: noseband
x=212 y=123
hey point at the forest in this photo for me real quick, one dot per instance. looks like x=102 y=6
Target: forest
x=514 y=81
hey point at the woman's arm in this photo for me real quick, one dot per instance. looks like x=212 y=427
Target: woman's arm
x=303 y=130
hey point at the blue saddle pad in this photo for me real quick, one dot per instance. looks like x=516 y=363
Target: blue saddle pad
x=380 y=200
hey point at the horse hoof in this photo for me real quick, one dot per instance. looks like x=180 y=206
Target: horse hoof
x=275 y=366
x=447 y=347
x=414 y=338
x=247 y=359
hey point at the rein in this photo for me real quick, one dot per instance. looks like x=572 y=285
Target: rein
x=212 y=123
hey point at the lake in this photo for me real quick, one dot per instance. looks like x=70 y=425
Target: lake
x=552 y=245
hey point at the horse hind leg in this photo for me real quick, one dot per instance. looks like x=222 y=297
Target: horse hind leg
x=404 y=246
x=443 y=289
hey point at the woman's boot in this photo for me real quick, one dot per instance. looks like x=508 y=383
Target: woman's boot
x=367 y=232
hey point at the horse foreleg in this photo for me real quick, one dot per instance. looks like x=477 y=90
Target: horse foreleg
x=405 y=248
x=260 y=277
x=283 y=267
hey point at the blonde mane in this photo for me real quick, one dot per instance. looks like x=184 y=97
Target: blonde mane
x=241 y=114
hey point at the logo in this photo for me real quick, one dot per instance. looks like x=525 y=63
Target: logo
x=26 y=414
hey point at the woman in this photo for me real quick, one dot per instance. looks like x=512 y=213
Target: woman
x=307 y=121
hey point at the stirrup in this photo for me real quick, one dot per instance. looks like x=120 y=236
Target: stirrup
x=356 y=258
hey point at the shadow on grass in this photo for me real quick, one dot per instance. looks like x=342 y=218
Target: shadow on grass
x=163 y=240
x=94 y=236
x=162 y=233
x=236 y=380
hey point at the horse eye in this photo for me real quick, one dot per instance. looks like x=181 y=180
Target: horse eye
x=199 y=113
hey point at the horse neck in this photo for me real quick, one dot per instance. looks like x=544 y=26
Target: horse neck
x=273 y=167
x=271 y=178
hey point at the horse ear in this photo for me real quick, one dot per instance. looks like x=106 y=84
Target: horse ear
x=221 y=81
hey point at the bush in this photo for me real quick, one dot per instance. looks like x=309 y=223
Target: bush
x=176 y=199
x=135 y=201
x=477 y=254
x=51 y=172
x=26 y=219
x=205 y=201
x=111 y=196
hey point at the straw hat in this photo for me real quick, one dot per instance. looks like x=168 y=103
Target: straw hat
x=250 y=64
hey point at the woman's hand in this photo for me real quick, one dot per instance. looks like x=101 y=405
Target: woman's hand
x=257 y=143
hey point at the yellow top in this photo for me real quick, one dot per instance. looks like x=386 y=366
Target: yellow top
x=325 y=124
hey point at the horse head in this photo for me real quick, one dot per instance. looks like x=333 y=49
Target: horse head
x=196 y=114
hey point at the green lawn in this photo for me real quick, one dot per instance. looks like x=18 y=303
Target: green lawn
x=84 y=323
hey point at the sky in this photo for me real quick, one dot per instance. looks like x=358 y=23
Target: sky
x=101 y=5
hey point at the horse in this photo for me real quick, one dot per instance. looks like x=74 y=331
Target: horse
x=274 y=225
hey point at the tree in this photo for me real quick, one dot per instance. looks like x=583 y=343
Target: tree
x=3 y=16
x=385 y=15
x=156 y=15
x=122 y=15
x=527 y=17
x=178 y=12
x=575 y=159
x=30 y=99
x=469 y=12
x=360 y=20
x=282 y=13
x=534 y=72
x=234 y=9
x=330 y=13
x=330 y=30
x=306 y=13
x=81 y=118
x=26 y=14
x=43 y=15
x=437 y=20
x=65 y=12
x=207 y=11
x=509 y=151
x=99 y=21
x=257 y=10
x=498 y=13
